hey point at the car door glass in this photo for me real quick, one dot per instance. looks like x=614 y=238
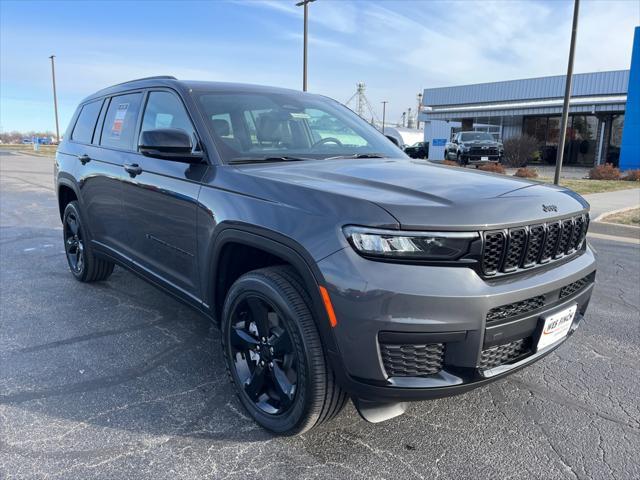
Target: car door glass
x=86 y=123
x=120 y=121
x=165 y=110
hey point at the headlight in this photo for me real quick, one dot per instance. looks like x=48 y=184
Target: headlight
x=409 y=245
x=465 y=148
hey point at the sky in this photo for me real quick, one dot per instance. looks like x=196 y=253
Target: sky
x=397 y=47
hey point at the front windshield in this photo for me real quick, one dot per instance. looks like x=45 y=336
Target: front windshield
x=475 y=136
x=268 y=126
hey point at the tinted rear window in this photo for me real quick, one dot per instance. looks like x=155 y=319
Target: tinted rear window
x=120 y=122
x=83 y=131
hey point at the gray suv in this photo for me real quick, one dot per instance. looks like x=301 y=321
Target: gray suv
x=335 y=266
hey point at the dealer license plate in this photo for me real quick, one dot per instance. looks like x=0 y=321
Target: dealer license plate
x=484 y=159
x=556 y=326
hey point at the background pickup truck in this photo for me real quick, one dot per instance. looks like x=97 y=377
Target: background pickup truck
x=473 y=148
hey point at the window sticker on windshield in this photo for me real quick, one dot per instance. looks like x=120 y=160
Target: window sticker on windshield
x=121 y=113
x=299 y=115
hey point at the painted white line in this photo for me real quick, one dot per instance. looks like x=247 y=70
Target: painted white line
x=614 y=238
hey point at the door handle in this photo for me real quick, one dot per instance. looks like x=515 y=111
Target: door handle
x=84 y=159
x=133 y=169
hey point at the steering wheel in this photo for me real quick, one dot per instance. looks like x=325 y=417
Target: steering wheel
x=322 y=141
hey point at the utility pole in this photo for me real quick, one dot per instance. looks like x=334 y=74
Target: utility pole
x=305 y=4
x=55 y=97
x=567 y=94
x=384 y=112
x=418 y=111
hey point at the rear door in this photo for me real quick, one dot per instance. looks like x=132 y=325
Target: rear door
x=160 y=202
x=97 y=176
x=113 y=143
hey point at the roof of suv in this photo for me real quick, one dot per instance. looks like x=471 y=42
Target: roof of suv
x=170 y=81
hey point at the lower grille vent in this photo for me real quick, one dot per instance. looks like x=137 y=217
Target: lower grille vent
x=499 y=355
x=512 y=309
x=414 y=360
x=576 y=286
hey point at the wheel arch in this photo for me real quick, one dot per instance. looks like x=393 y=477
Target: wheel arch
x=275 y=246
x=66 y=192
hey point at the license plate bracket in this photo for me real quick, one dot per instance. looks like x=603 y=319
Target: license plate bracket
x=556 y=326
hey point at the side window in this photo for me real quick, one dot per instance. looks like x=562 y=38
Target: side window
x=165 y=110
x=86 y=123
x=119 y=125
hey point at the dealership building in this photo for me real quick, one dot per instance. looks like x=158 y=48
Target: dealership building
x=604 y=123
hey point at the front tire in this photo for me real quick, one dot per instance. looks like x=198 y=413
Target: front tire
x=274 y=354
x=84 y=265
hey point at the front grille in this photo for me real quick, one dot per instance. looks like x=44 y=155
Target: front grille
x=493 y=249
x=506 y=251
x=517 y=308
x=483 y=151
x=576 y=286
x=534 y=246
x=413 y=360
x=516 y=243
x=500 y=354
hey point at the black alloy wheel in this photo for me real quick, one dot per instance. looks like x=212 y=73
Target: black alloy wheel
x=73 y=243
x=274 y=354
x=84 y=265
x=263 y=356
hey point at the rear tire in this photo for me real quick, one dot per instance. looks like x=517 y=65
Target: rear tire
x=84 y=265
x=271 y=303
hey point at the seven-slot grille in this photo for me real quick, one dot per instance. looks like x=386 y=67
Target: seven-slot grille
x=412 y=360
x=506 y=251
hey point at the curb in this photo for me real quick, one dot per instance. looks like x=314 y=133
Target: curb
x=613 y=212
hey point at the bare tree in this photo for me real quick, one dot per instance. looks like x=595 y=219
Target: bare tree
x=519 y=150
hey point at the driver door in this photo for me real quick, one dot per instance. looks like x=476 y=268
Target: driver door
x=160 y=202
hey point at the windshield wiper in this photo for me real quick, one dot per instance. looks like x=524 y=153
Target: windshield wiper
x=235 y=161
x=357 y=155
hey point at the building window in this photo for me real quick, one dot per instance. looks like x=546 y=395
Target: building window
x=615 y=139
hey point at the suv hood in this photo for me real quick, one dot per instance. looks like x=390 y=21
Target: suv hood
x=419 y=194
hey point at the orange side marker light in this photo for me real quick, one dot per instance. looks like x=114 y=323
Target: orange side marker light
x=328 y=306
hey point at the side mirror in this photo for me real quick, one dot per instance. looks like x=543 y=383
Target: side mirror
x=168 y=144
x=393 y=140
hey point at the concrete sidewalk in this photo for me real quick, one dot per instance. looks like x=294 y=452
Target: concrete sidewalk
x=610 y=201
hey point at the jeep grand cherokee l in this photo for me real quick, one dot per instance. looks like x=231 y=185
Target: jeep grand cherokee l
x=335 y=266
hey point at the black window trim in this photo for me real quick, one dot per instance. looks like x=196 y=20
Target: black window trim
x=75 y=123
x=171 y=91
x=110 y=99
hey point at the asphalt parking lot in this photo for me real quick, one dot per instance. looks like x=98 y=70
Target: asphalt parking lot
x=117 y=380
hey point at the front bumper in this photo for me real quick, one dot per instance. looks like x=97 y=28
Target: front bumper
x=377 y=302
x=478 y=159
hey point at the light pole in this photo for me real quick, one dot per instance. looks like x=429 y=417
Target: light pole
x=384 y=113
x=55 y=97
x=567 y=94
x=305 y=4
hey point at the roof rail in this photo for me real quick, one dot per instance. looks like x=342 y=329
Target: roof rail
x=157 y=77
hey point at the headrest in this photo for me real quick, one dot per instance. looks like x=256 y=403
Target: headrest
x=269 y=128
x=220 y=127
